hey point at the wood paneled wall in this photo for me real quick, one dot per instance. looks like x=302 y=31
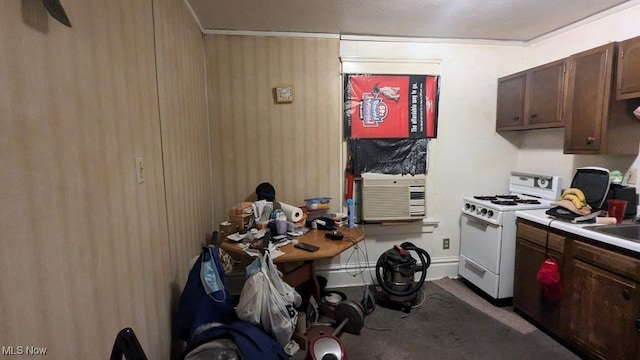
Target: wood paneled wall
x=185 y=133
x=85 y=249
x=297 y=146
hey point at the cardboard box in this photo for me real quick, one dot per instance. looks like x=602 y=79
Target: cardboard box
x=241 y=221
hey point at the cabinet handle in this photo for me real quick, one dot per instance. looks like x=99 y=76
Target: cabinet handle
x=516 y=118
x=638 y=324
x=590 y=140
x=626 y=294
x=533 y=116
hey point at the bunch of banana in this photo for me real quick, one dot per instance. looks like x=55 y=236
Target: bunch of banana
x=576 y=196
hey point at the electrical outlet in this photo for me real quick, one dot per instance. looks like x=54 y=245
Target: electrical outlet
x=445 y=243
x=631 y=177
x=140 y=169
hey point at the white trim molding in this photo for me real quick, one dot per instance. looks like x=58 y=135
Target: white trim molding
x=270 y=33
x=342 y=276
x=362 y=65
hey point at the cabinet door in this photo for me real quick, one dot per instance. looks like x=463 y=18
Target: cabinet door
x=544 y=95
x=628 y=74
x=510 y=109
x=528 y=294
x=587 y=99
x=602 y=312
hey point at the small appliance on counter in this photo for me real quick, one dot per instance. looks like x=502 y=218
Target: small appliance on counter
x=628 y=194
x=593 y=185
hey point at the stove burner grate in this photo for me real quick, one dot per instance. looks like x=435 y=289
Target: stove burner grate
x=485 y=197
x=527 y=201
x=510 y=197
x=506 y=199
x=497 y=197
x=504 y=202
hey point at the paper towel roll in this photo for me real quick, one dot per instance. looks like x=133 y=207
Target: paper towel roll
x=294 y=214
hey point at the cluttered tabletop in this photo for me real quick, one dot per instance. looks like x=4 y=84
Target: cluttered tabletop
x=288 y=252
x=288 y=232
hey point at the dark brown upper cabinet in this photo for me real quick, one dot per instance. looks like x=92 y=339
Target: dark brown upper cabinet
x=587 y=100
x=545 y=91
x=628 y=74
x=531 y=99
x=510 y=110
x=595 y=123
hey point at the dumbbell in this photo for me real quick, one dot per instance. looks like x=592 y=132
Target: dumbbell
x=350 y=317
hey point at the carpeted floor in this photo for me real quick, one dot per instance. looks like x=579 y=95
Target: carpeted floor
x=503 y=314
x=450 y=322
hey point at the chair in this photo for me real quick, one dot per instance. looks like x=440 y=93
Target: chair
x=127 y=345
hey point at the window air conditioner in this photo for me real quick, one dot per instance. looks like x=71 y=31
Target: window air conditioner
x=393 y=197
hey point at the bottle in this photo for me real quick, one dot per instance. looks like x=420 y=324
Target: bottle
x=351 y=213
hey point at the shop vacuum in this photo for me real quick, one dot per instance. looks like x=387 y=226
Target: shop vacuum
x=395 y=272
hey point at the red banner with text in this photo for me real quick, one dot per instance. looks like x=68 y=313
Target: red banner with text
x=390 y=106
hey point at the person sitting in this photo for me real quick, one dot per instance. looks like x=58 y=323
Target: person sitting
x=265 y=191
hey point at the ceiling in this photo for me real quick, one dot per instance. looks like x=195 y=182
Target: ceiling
x=514 y=20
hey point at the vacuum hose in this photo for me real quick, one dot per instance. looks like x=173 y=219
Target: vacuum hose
x=425 y=259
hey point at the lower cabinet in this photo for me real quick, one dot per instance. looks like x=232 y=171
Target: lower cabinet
x=528 y=294
x=604 y=301
x=599 y=314
x=602 y=312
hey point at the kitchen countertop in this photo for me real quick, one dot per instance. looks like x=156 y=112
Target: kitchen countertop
x=539 y=217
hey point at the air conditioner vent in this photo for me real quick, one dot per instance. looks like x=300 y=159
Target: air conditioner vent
x=393 y=198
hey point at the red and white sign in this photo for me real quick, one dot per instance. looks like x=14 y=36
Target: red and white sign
x=390 y=106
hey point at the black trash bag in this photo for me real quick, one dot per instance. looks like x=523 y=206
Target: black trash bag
x=389 y=156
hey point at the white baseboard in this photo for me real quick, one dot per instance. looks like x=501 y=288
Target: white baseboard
x=339 y=276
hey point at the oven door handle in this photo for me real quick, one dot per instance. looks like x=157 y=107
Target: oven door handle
x=474 y=266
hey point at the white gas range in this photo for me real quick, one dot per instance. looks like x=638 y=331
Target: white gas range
x=488 y=231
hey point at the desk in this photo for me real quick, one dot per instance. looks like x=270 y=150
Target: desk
x=298 y=266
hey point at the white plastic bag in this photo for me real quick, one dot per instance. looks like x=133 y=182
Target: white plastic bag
x=278 y=317
x=287 y=291
x=254 y=291
x=266 y=300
